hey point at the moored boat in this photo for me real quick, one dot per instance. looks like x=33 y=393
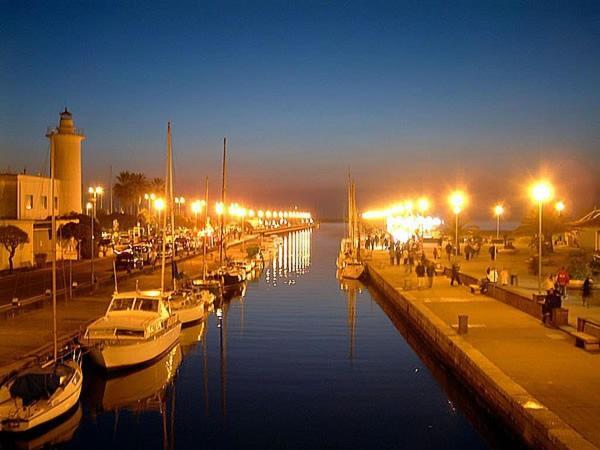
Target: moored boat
x=137 y=328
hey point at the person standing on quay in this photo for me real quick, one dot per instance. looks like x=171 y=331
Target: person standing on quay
x=430 y=273
x=562 y=279
x=398 y=251
x=420 y=270
x=449 y=251
x=391 y=254
x=586 y=291
x=454 y=274
x=435 y=253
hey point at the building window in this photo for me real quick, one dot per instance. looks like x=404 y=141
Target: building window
x=29 y=202
x=45 y=201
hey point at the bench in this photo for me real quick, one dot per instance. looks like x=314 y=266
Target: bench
x=475 y=289
x=588 y=334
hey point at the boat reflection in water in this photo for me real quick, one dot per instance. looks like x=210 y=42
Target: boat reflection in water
x=291 y=259
x=141 y=390
x=352 y=288
x=49 y=436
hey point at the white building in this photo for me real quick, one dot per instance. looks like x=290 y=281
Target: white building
x=25 y=199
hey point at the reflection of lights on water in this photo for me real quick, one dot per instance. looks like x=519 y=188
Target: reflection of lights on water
x=291 y=258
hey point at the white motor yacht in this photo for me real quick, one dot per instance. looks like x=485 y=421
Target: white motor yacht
x=138 y=326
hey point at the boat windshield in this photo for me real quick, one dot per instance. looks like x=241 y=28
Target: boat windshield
x=134 y=304
x=122 y=304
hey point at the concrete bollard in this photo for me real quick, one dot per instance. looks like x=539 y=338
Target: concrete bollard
x=463 y=324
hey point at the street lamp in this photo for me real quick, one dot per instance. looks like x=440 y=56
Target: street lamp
x=423 y=206
x=498 y=211
x=196 y=208
x=94 y=192
x=540 y=192
x=559 y=207
x=179 y=201
x=159 y=205
x=457 y=201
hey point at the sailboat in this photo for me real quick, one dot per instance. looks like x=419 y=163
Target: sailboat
x=188 y=308
x=44 y=392
x=138 y=326
x=231 y=278
x=201 y=286
x=348 y=260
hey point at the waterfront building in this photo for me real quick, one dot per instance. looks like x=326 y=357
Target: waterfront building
x=25 y=198
x=587 y=230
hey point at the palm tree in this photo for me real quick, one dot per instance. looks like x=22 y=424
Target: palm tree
x=129 y=189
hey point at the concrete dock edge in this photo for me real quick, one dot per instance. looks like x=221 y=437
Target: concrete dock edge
x=535 y=423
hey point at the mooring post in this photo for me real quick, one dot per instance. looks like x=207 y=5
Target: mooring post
x=463 y=324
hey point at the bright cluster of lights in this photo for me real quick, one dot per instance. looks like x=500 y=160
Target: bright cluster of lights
x=402 y=228
x=406 y=207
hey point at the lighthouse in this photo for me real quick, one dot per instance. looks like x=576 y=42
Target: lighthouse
x=67 y=162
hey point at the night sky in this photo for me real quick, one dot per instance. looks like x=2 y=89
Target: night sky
x=412 y=97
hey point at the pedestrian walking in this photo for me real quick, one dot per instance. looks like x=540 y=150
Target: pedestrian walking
x=430 y=274
x=454 y=274
x=398 y=252
x=436 y=255
x=392 y=254
x=586 y=291
x=420 y=271
x=411 y=261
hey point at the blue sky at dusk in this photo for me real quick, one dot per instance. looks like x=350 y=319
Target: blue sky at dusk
x=413 y=97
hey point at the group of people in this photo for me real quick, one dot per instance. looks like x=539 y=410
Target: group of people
x=410 y=254
x=556 y=285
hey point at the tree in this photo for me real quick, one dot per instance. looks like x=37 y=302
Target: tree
x=552 y=223
x=129 y=189
x=81 y=231
x=12 y=238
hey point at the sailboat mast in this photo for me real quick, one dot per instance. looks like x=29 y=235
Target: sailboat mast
x=164 y=230
x=171 y=207
x=53 y=227
x=223 y=197
x=205 y=229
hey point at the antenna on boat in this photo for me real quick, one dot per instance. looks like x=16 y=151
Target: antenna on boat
x=53 y=226
x=115 y=276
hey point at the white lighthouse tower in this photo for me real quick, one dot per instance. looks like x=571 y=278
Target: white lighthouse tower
x=67 y=162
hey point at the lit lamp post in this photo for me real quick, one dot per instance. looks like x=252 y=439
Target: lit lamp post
x=423 y=206
x=498 y=211
x=159 y=205
x=196 y=208
x=179 y=201
x=94 y=192
x=541 y=192
x=457 y=202
x=559 y=207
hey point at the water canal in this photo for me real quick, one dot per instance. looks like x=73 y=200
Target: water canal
x=298 y=362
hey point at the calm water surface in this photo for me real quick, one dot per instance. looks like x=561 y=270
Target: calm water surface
x=299 y=362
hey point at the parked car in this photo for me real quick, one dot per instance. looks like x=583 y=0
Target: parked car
x=128 y=260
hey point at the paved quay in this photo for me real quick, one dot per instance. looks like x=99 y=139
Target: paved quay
x=27 y=333
x=549 y=388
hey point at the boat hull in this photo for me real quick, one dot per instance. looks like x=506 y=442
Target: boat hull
x=120 y=356
x=352 y=271
x=59 y=403
x=191 y=314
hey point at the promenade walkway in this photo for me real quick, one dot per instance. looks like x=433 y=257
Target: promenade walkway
x=543 y=361
x=528 y=284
